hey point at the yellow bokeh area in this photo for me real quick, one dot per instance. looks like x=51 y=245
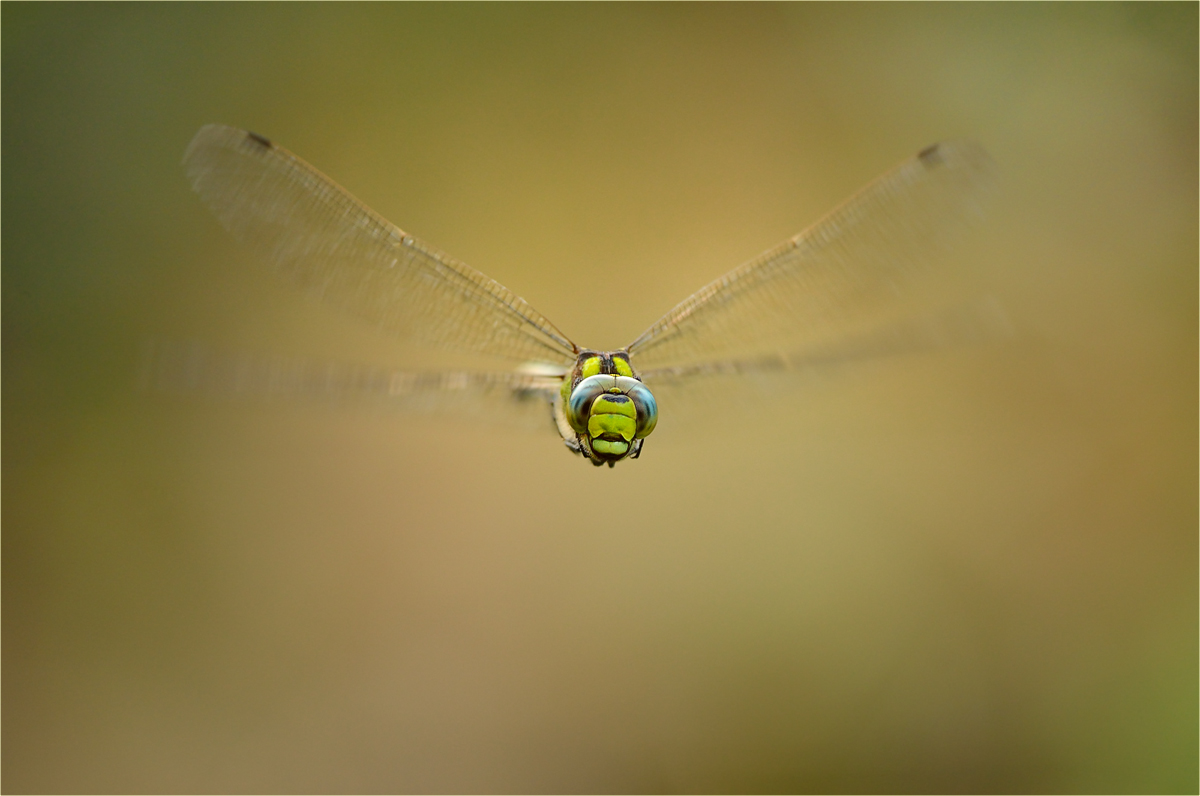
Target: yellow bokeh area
x=961 y=570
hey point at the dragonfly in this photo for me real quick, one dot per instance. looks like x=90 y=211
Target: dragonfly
x=838 y=290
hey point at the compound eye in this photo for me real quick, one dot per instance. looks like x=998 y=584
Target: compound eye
x=647 y=408
x=582 y=397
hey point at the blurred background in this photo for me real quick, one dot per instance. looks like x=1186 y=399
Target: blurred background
x=968 y=571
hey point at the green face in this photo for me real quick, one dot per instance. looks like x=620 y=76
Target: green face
x=609 y=407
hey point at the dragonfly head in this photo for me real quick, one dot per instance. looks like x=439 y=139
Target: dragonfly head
x=612 y=412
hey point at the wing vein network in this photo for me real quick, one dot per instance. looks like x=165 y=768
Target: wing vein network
x=335 y=247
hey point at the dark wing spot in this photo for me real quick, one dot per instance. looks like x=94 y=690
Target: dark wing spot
x=260 y=140
x=931 y=155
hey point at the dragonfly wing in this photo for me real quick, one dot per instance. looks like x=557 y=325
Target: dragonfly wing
x=337 y=248
x=188 y=369
x=692 y=393
x=975 y=323
x=849 y=270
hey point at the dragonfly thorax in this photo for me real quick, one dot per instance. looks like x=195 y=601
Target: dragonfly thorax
x=607 y=407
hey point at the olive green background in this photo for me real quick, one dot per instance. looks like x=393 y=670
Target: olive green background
x=974 y=570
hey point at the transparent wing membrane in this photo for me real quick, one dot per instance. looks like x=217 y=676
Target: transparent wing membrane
x=691 y=395
x=976 y=323
x=850 y=271
x=191 y=369
x=336 y=247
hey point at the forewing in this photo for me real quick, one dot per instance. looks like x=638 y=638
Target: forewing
x=337 y=248
x=855 y=267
